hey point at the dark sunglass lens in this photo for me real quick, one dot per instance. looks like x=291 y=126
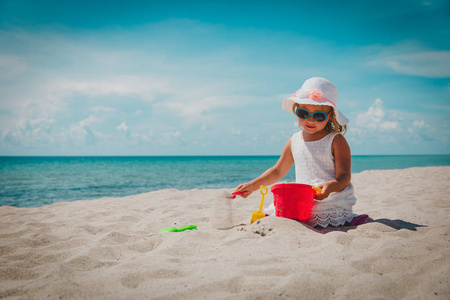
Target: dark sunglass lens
x=320 y=116
x=302 y=114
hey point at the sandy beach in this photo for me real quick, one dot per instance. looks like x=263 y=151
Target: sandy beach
x=110 y=249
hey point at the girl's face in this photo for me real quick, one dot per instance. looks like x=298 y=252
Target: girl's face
x=310 y=125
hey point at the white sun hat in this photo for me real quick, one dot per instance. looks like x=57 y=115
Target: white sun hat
x=316 y=91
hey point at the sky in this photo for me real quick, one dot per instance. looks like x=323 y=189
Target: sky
x=208 y=77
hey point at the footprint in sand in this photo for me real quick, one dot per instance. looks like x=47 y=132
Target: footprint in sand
x=115 y=238
x=86 y=263
x=145 y=245
x=133 y=280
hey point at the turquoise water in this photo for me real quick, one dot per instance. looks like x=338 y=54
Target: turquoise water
x=38 y=181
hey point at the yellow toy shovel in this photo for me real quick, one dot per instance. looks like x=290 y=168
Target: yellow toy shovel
x=259 y=214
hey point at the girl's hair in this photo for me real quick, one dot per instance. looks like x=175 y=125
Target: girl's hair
x=332 y=125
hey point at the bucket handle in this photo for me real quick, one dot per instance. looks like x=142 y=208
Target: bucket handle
x=317 y=189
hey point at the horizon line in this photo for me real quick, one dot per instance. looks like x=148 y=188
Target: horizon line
x=239 y=155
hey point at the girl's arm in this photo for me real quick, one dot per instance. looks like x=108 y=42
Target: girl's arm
x=342 y=162
x=272 y=175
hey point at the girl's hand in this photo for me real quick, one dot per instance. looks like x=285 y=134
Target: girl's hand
x=271 y=175
x=246 y=188
x=325 y=191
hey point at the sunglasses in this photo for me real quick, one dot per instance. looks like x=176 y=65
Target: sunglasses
x=318 y=116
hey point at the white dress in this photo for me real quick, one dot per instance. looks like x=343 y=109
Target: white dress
x=314 y=164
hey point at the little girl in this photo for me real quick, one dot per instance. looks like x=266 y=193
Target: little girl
x=320 y=152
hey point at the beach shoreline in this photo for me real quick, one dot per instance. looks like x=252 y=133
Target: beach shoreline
x=40 y=181
x=110 y=247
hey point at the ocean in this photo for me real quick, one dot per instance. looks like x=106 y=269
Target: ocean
x=39 y=181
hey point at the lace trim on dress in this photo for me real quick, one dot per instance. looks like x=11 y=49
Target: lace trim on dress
x=331 y=216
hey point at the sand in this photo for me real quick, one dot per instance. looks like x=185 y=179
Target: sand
x=110 y=249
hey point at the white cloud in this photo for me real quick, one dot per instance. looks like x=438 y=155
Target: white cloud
x=189 y=107
x=373 y=116
x=419 y=124
x=441 y=108
x=378 y=118
x=144 y=87
x=235 y=131
x=103 y=109
x=381 y=130
x=122 y=127
x=30 y=132
x=389 y=125
x=140 y=137
x=83 y=132
x=430 y=64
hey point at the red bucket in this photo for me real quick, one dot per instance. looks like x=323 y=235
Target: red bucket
x=293 y=200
